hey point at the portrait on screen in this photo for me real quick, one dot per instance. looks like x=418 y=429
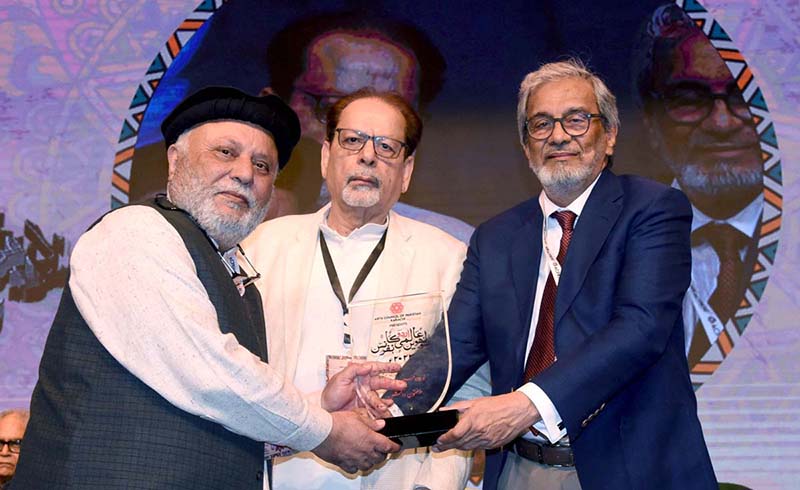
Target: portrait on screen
x=701 y=130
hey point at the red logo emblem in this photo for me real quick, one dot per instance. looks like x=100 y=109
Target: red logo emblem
x=396 y=308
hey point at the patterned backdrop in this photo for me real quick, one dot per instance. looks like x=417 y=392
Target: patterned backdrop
x=73 y=72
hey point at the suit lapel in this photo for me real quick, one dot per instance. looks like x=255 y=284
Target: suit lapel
x=526 y=250
x=596 y=221
x=299 y=261
x=396 y=259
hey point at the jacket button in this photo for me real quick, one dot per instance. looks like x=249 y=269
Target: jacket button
x=259 y=475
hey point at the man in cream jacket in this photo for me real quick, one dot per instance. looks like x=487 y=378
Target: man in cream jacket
x=355 y=248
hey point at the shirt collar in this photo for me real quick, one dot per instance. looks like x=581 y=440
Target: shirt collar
x=366 y=232
x=745 y=220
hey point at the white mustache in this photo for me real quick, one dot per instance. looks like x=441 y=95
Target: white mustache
x=238 y=189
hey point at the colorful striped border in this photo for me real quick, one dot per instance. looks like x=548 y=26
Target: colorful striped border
x=120 y=178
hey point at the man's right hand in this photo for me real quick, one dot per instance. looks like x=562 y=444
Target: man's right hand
x=489 y=422
x=353 y=443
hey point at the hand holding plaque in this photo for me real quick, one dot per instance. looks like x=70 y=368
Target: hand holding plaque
x=395 y=330
x=361 y=381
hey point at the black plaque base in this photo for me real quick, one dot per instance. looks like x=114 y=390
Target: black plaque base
x=419 y=430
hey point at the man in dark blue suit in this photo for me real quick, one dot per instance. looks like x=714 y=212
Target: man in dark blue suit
x=574 y=298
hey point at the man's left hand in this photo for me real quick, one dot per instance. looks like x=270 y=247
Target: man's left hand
x=489 y=422
x=360 y=380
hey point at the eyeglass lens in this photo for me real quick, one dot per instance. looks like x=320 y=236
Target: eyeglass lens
x=573 y=123
x=353 y=140
x=693 y=104
x=248 y=280
x=13 y=445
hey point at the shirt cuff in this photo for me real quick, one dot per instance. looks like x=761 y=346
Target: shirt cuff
x=312 y=432
x=551 y=424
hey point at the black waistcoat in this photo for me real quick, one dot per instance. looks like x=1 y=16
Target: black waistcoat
x=95 y=425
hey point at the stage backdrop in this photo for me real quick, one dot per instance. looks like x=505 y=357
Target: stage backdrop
x=708 y=96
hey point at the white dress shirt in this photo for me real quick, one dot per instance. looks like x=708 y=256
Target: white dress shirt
x=551 y=419
x=135 y=284
x=706 y=263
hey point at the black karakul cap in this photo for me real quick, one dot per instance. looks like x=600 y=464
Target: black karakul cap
x=218 y=103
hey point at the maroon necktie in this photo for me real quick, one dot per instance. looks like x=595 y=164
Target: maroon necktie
x=727 y=241
x=543 y=350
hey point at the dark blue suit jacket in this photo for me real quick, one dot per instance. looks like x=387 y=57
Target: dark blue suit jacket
x=621 y=380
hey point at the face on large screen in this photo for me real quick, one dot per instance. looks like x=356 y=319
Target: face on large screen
x=340 y=62
x=702 y=128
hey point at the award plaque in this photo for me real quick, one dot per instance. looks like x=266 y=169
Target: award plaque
x=412 y=331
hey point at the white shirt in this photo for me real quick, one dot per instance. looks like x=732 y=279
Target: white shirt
x=551 y=419
x=322 y=335
x=706 y=263
x=135 y=284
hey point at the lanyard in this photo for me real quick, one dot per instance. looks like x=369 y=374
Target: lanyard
x=712 y=324
x=333 y=277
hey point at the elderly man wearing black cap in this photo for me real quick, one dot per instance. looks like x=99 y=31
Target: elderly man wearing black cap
x=154 y=374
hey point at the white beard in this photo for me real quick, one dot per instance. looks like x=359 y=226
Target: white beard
x=361 y=196
x=725 y=179
x=188 y=193
x=561 y=178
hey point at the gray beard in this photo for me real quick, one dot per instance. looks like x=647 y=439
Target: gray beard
x=363 y=197
x=562 y=180
x=724 y=180
x=192 y=196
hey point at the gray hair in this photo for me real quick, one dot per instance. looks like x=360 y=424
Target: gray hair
x=182 y=145
x=571 y=68
x=19 y=412
x=182 y=142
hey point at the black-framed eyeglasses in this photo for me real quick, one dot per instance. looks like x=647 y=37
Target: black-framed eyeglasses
x=354 y=140
x=243 y=279
x=238 y=278
x=574 y=123
x=690 y=103
x=13 y=445
x=322 y=103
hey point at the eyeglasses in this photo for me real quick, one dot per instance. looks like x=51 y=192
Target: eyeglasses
x=575 y=123
x=243 y=279
x=13 y=445
x=691 y=103
x=322 y=103
x=354 y=140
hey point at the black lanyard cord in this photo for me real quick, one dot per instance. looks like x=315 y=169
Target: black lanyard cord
x=333 y=277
